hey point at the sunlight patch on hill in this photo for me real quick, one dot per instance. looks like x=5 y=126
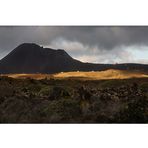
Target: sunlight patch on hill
x=91 y=75
x=108 y=74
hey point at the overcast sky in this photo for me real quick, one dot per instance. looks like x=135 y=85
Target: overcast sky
x=88 y=44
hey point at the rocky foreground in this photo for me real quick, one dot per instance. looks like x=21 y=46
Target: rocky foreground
x=73 y=101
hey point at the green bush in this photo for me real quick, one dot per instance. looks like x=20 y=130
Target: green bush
x=64 y=110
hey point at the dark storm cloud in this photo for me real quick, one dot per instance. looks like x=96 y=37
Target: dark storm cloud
x=103 y=38
x=109 y=37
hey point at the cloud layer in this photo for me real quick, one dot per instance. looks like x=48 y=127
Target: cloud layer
x=87 y=43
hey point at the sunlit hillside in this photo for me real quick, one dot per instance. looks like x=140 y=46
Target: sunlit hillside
x=108 y=74
x=93 y=75
x=32 y=76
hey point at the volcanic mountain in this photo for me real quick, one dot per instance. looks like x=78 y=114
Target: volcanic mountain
x=31 y=58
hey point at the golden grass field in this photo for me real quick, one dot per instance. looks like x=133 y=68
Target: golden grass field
x=91 y=75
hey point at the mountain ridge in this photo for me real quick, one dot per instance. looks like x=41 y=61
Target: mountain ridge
x=32 y=58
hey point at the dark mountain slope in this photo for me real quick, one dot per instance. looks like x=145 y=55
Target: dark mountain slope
x=31 y=58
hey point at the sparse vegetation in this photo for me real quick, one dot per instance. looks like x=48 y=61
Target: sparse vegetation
x=73 y=101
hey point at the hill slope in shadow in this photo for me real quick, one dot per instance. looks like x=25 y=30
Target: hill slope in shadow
x=31 y=58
